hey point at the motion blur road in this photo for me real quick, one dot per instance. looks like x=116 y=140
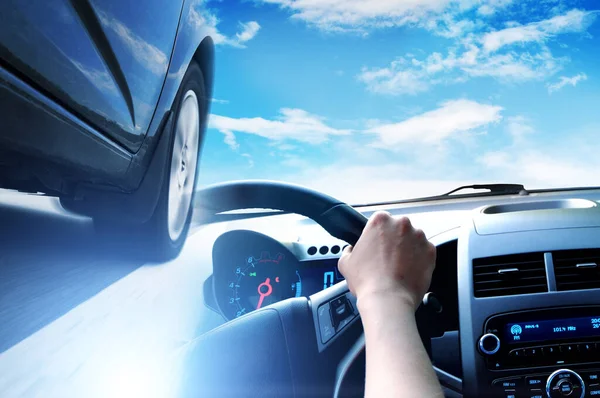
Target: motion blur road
x=79 y=321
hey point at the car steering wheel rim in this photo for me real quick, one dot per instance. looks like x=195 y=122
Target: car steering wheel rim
x=286 y=356
x=336 y=217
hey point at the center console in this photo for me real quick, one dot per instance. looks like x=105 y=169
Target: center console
x=529 y=301
x=563 y=337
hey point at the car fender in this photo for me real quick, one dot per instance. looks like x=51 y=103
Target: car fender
x=192 y=42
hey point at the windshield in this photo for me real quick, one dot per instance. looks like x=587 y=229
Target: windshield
x=384 y=100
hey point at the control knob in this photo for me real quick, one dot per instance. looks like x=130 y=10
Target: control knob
x=565 y=383
x=489 y=344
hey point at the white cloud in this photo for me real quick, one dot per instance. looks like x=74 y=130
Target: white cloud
x=249 y=158
x=371 y=183
x=515 y=67
x=249 y=30
x=352 y=14
x=100 y=78
x=204 y=20
x=229 y=139
x=541 y=169
x=478 y=56
x=534 y=166
x=494 y=159
x=396 y=79
x=564 y=80
x=519 y=128
x=145 y=53
x=293 y=124
x=572 y=21
x=433 y=127
x=546 y=163
x=286 y=147
x=430 y=128
x=492 y=7
x=220 y=101
x=412 y=76
x=437 y=16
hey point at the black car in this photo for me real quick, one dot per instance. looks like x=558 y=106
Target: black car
x=104 y=105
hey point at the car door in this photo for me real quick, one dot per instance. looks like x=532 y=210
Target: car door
x=104 y=60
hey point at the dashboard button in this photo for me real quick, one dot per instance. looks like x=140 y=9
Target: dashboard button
x=550 y=350
x=536 y=393
x=325 y=326
x=565 y=387
x=568 y=349
x=535 y=381
x=534 y=352
x=591 y=377
x=518 y=353
x=586 y=348
x=594 y=390
x=510 y=383
x=352 y=299
x=510 y=394
x=341 y=309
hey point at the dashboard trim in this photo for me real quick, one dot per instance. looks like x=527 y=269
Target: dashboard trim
x=550 y=277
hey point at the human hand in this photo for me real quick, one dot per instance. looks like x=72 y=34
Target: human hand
x=390 y=257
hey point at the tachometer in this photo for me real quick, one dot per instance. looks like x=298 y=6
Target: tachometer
x=260 y=281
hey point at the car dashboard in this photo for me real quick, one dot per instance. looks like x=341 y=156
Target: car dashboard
x=253 y=270
x=518 y=279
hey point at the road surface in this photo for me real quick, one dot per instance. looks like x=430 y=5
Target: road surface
x=77 y=321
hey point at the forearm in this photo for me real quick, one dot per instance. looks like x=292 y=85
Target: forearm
x=397 y=363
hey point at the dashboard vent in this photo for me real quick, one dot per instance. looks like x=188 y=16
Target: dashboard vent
x=509 y=275
x=577 y=269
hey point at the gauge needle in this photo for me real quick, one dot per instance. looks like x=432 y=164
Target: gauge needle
x=269 y=290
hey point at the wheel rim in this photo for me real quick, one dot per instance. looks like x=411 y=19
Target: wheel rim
x=183 y=164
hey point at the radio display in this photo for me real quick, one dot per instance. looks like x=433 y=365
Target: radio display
x=565 y=328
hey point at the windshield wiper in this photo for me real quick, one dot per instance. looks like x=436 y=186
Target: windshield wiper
x=497 y=189
x=494 y=189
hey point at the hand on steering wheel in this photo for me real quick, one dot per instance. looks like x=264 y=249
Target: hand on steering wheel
x=280 y=350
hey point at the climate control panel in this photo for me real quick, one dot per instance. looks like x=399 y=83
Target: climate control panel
x=558 y=384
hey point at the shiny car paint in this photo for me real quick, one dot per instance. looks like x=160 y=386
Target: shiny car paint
x=111 y=67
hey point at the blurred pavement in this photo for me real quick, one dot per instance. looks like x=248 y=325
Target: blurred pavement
x=77 y=321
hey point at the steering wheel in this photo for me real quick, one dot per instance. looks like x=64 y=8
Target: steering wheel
x=280 y=350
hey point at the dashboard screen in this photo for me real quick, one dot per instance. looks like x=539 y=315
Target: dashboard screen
x=318 y=275
x=565 y=328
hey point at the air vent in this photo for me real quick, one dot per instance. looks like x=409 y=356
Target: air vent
x=509 y=275
x=577 y=269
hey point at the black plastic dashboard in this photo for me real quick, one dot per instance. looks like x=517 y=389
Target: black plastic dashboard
x=246 y=263
x=516 y=264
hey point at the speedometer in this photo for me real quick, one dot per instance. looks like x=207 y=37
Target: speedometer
x=261 y=281
x=252 y=271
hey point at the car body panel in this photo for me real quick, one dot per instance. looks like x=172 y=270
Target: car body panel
x=43 y=134
x=73 y=64
x=193 y=41
x=105 y=61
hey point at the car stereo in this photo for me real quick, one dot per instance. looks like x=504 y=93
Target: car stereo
x=541 y=338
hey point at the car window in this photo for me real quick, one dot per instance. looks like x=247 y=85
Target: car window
x=404 y=99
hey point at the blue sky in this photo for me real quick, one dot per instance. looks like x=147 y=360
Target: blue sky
x=381 y=99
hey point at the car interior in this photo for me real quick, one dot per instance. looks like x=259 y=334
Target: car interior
x=511 y=310
x=105 y=111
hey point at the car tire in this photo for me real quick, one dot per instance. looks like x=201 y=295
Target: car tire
x=161 y=238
